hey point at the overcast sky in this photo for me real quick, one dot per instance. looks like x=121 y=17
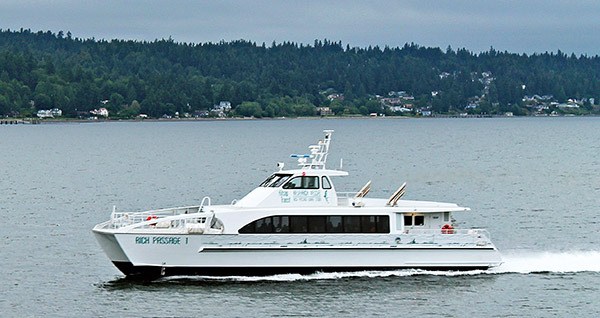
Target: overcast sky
x=517 y=26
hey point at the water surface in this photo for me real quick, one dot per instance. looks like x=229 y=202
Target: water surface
x=533 y=182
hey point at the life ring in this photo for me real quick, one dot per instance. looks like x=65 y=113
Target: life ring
x=447 y=229
x=152 y=217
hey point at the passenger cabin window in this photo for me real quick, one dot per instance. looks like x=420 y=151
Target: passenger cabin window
x=304 y=182
x=281 y=224
x=298 y=224
x=414 y=220
x=319 y=224
x=264 y=226
x=334 y=225
x=352 y=224
x=275 y=180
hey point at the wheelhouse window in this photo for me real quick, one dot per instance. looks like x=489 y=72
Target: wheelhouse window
x=326 y=183
x=319 y=224
x=304 y=182
x=275 y=180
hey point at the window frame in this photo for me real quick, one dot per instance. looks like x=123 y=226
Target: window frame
x=303 y=183
x=412 y=217
x=325 y=181
x=276 y=180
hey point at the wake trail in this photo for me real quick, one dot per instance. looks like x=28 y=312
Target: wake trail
x=552 y=262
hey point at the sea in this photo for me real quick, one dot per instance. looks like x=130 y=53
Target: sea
x=534 y=183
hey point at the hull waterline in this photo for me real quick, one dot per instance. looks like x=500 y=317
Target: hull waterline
x=154 y=272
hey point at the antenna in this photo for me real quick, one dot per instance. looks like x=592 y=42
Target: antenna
x=317 y=157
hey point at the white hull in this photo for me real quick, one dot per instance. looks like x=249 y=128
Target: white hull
x=154 y=255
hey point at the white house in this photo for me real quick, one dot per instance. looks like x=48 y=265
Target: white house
x=56 y=112
x=223 y=106
x=49 y=113
x=100 y=112
x=222 y=109
x=400 y=109
x=44 y=113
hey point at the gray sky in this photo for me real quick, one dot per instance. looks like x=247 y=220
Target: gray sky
x=517 y=26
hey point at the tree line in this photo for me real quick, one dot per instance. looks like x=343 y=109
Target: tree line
x=44 y=70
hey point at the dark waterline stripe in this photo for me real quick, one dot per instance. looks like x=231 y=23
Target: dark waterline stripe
x=154 y=272
x=324 y=248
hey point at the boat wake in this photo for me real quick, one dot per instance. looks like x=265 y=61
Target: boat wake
x=514 y=263
x=549 y=262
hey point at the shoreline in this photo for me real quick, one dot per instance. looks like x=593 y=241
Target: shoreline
x=17 y=121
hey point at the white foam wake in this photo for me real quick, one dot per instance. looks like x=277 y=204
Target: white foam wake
x=327 y=276
x=514 y=262
x=556 y=262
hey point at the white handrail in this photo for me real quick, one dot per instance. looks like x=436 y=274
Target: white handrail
x=206 y=198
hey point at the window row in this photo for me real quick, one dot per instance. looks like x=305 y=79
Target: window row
x=319 y=224
x=304 y=182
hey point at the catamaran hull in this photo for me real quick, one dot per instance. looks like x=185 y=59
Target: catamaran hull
x=154 y=256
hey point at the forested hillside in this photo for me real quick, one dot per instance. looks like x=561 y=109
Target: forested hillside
x=43 y=70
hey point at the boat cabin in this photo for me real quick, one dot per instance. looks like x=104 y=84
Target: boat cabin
x=288 y=188
x=311 y=186
x=308 y=186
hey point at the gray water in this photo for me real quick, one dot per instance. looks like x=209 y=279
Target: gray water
x=534 y=183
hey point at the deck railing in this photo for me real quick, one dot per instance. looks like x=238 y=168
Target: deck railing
x=153 y=217
x=477 y=236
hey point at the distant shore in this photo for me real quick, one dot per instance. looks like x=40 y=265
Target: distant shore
x=14 y=121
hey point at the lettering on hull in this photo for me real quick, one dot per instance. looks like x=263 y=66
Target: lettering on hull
x=160 y=240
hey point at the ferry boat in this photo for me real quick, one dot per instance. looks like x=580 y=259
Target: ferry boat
x=295 y=221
